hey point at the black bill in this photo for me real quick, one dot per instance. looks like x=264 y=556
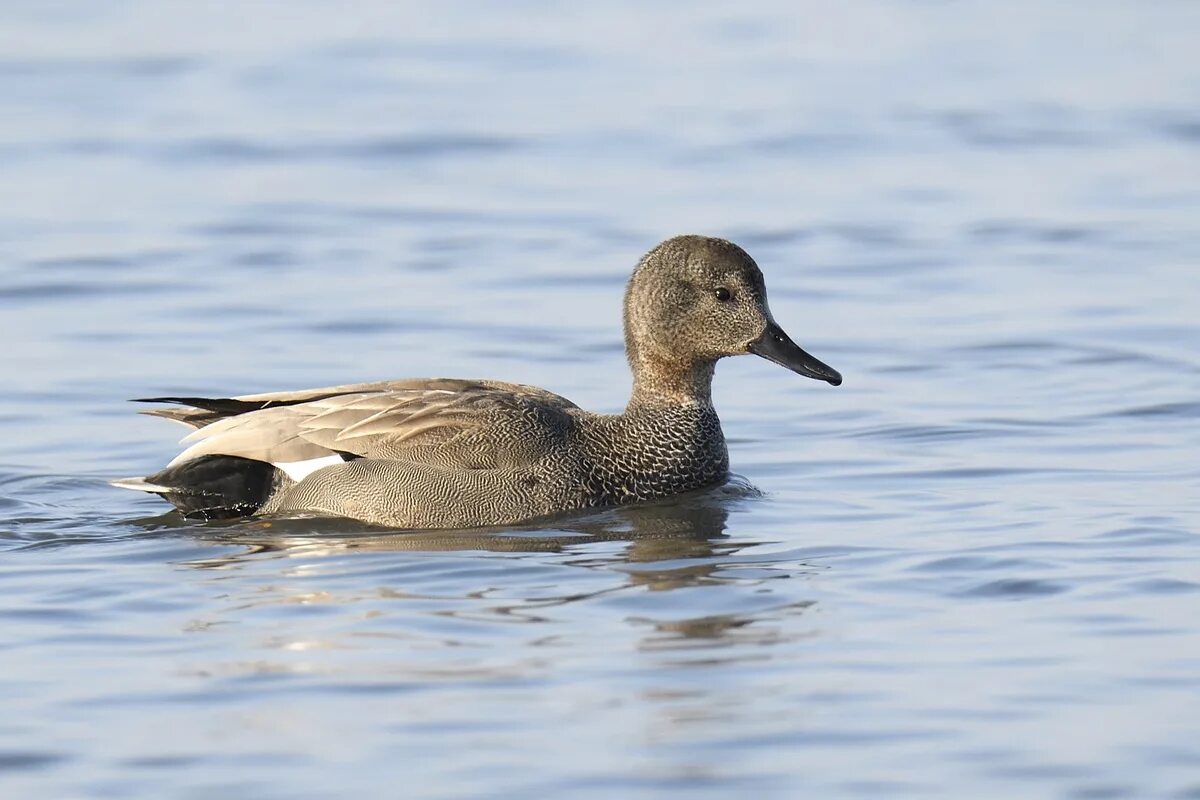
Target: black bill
x=774 y=345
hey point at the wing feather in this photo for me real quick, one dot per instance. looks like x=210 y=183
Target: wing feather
x=362 y=419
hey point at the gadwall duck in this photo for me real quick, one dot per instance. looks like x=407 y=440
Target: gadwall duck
x=445 y=453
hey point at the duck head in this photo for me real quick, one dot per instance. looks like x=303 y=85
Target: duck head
x=695 y=299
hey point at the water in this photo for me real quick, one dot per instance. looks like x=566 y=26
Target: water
x=970 y=571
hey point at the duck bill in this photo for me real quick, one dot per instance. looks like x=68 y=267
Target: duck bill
x=775 y=345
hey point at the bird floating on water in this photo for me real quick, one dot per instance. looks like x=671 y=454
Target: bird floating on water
x=447 y=453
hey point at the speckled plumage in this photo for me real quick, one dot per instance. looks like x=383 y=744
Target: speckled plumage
x=446 y=453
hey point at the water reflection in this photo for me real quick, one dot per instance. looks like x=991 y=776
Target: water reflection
x=428 y=586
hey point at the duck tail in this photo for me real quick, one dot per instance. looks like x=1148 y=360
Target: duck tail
x=212 y=486
x=139 y=485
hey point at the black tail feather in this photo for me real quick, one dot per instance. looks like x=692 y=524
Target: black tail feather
x=224 y=406
x=217 y=486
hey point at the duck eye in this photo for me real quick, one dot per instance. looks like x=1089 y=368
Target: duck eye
x=722 y=293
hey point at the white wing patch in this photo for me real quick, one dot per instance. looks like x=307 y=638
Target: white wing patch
x=299 y=470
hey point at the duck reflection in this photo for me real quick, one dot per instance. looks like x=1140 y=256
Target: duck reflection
x=637 y=551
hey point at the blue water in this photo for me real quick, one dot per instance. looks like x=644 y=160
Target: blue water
x=971 y=571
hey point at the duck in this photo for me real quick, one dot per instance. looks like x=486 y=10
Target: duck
x=442 y=453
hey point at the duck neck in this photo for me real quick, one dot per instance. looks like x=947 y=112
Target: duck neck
x=668 y=440
x=661 y=383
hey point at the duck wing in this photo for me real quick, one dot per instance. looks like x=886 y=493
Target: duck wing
x=202 y=411
x=302 y=431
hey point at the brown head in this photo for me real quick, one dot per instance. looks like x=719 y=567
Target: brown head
x=693 y=300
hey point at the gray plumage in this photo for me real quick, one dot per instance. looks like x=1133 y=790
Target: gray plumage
x=446 y=453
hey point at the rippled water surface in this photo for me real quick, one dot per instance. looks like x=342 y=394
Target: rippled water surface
x=971 y=571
